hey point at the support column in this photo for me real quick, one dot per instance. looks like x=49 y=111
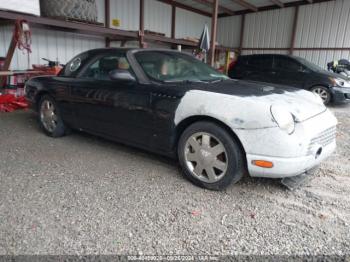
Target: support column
x=107 y=20
x=173 y=21
x=214 y=20
x=294 y=30
x=142 y=24
x=241 y=34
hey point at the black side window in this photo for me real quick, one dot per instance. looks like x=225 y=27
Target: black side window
x=242 y=61
x=287 y=64
x=101 y=68
x=260 y=61
x=73 y=66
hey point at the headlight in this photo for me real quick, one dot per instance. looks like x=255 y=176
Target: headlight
x=337 y=81
x=283 y=118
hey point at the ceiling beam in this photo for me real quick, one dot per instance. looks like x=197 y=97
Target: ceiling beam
x=277 y=2
x=309 y=1
x=246 y=5
x=210 y=4
x=273 y=7
x=186 y=7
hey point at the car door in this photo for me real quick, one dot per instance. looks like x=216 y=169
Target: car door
x=259 y=68
x=112 y=108
x=289 y=71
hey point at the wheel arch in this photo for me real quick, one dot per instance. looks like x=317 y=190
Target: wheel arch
x=330 y=91
x=38 y=97
x=181 y=126
x=320 y=85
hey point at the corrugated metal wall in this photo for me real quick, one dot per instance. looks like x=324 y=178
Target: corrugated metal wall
x=324 y=25
x=229 y=30
x=158 y=17
x=48 y=44
x=270 y=29
x=319 y=25
x=189 y=24
x=127 y=11
x=62 y=45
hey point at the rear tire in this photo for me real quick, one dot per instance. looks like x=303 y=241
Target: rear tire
x=50 y=118
x=209 y=156
x=323 y=92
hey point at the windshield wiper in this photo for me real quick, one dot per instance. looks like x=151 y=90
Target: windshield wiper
x=212 y=81
x=185 y=81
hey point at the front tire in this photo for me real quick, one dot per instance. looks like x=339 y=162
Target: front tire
x=323 y=92
x=50 y=118
x=209 y=156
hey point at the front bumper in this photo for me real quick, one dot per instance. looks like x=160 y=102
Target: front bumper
x=312 y=142
x=340 y=94
x=288 y=167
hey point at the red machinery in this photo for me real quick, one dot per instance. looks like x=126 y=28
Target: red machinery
x=12 y=82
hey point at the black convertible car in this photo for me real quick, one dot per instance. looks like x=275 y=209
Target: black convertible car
x=170 y=103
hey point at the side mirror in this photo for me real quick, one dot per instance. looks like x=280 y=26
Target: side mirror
x=121 y=74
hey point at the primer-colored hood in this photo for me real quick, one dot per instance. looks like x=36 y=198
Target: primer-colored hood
x=246 y=105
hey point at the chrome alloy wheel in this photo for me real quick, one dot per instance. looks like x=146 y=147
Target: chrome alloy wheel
x=206 y=157
x=321 y=92
x=48 y=116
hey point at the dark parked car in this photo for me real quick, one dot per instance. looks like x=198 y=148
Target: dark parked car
x=292 y=71
x=170 y=103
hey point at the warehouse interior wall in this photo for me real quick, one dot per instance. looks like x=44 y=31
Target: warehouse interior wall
x=50 y=44
x=189 y=24
x=63 y=46
x=322 y=25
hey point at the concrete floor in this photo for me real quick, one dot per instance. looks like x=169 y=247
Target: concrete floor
x=85 y=195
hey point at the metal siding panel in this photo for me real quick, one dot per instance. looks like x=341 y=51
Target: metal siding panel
x=48 y=44
x=127 y=11
x=158 y=17
x=229 y=29
x=324 y=25
x=269 y=29
x=189 y=24
x=100 y=11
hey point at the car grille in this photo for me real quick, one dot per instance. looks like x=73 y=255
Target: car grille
x=324 y=138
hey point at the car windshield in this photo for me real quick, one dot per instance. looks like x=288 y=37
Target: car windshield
x=176 y=67
x=310 y=65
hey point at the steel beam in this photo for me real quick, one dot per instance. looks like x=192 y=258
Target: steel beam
x=242 y=33
x=210 y=4
x=273 y=7
x=142 y=24
x=107 y=20
x=294 y=29
x=246 y=5
x=278 y=3
x=214 y=22
x=173 y=21
x=69 y=26
x=186 y=7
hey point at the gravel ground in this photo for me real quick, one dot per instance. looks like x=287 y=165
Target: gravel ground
x=85 y=195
